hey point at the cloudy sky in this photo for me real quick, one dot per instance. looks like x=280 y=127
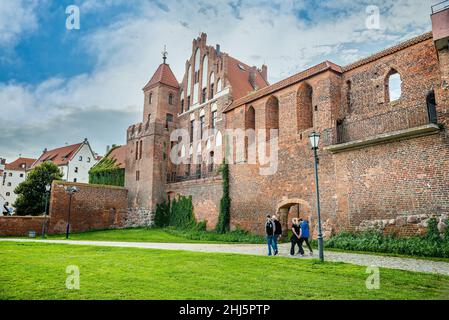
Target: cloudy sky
x=60 y=86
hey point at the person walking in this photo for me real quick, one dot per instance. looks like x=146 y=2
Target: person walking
x=304 y=234
x=277 y=232
x=270 y=229
x=294 y=239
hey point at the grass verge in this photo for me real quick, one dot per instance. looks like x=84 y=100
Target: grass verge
x=38 y=271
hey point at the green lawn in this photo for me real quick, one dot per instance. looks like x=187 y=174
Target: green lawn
x=168 y=235
x=37 y=271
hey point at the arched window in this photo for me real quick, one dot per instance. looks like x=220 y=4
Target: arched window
x=272 y=115
x=197 y=59
x=393 y=86
x=170 y=99
x=189 y=80
x=182 y=101
x=204 y=75
x=250 y=139
x=219 y=86
x=150 y=98
x=218 y=139
x=212 y=85
x=304 y=108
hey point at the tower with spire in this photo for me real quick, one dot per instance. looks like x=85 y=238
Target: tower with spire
x=149 y=141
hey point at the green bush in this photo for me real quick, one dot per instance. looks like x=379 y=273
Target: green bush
x=430 y=245
x=181 y=213
x=201 y=226
x=162 y=215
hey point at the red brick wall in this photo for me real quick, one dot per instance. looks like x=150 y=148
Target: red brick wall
x=206 y=195
x=20 y=226
x=93 y=207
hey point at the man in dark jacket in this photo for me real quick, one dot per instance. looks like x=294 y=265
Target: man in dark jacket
x=270 y=230
x=277 y=232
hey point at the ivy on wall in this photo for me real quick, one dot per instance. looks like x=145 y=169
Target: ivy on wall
x=224 y=218
x=178 y=214
x=106 y=172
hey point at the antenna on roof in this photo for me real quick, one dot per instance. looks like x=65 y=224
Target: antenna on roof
x=165 y=54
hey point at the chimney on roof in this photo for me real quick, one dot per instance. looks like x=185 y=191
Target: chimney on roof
x=85 y=140
x=264 y=72
x=252 y=77
x=45 y=150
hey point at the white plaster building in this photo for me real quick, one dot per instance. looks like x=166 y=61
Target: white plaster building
x=13 y=174
x=74 y=161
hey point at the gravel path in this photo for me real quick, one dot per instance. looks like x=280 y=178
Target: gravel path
x=353 y=258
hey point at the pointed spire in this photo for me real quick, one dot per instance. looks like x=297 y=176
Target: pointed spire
x=165 y=54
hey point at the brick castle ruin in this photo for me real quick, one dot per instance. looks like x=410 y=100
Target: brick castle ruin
x=384 y=161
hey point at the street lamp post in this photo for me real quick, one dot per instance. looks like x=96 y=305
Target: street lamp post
x=314 y=140
x=71 y=191
x=47 y=192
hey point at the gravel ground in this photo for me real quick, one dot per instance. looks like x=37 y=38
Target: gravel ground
x=409 y=264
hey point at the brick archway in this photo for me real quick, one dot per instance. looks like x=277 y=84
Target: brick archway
x=283 y=209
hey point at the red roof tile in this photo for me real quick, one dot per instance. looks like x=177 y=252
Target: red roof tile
x=163 y=75
x=238 y=76
x=324 y=66
x=21 y=164
x=59 y=156
x=119 y=155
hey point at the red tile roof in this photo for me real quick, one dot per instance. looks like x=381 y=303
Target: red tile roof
x=163 y=75
x=324 y=66
x=59 y=156
x=119 y=154
x=238 y=76
x=21 y=164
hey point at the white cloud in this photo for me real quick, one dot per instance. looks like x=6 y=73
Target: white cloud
x=17 y=18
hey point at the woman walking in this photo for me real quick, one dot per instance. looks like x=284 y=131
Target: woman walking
x=296 y=229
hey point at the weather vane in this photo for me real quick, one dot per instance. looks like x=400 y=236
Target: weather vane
x=165 y=54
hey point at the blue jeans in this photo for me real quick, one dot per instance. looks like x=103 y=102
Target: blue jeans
x=272 y=243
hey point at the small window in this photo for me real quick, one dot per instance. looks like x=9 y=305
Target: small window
x=75 y=180
x=8 y=194
x=137 y=175
x=202 y=126
x=170 y=99
x=21 y=175
x=76 y=169
x=192 y=127
x=203 y=95
x=168 y=120
x=188 y=103
x=182 y=106
x=141 y=149
x=394 y=84
x=150 y=98
x=9 y=184
x=80 y=158
x=214 y=119
x=211 y=95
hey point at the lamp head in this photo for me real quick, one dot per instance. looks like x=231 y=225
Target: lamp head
x=314 y=139
x=47 y=188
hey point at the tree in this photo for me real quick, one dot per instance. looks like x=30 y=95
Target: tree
x=31 y=192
